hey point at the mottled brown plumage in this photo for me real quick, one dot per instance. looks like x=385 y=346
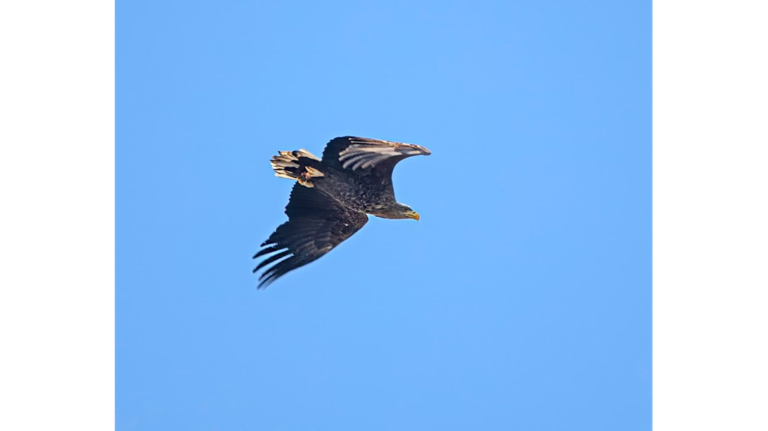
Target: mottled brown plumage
x=332 y=198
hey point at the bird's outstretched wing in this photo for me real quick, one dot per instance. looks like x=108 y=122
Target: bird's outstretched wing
x=362 y=155
x=316 y=224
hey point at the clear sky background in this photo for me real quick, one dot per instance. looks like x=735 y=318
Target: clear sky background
x=520 y=300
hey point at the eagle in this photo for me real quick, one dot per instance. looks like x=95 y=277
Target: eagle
x=332 y=199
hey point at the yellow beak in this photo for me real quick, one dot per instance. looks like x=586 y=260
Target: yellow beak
x=412 y=214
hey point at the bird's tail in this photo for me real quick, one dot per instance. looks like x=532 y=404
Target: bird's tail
x=300 y=165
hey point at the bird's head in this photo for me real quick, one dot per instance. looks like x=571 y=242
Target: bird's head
x=395 y=211
x=407 y=212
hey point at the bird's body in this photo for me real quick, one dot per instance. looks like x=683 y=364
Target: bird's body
x=332 y=198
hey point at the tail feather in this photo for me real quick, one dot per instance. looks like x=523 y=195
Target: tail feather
x=299 y=165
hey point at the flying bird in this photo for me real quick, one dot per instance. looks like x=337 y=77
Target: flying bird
x=332 y=198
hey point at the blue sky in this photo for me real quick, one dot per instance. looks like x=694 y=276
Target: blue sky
x=520 y=300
